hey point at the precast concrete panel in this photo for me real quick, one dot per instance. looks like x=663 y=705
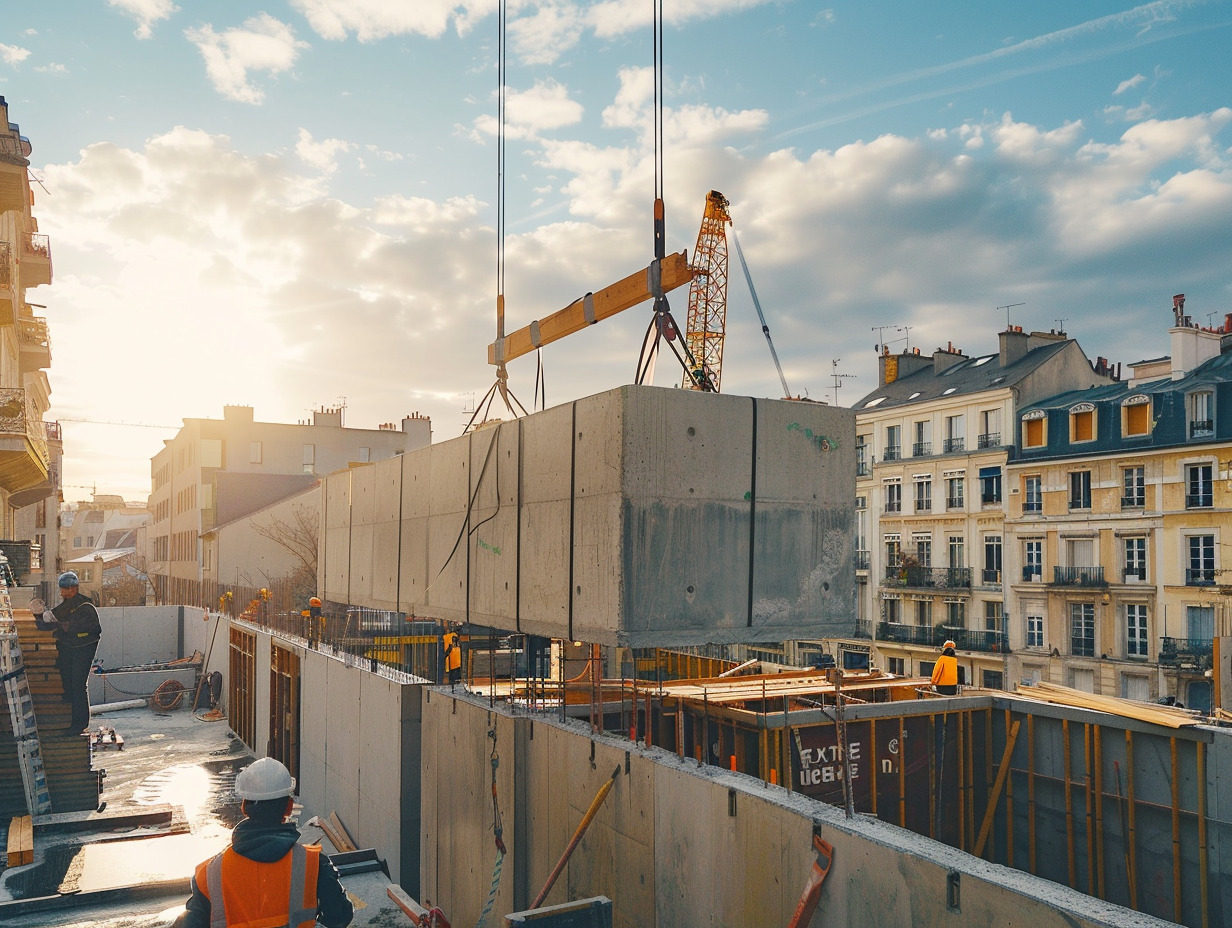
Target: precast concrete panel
x=314 y=725
x=449 y=489
x=413 y=548
x=261 y=693
x=379 y=786
x=344 y=759
x=493 y=539
x=386 y=533
x=335 y=580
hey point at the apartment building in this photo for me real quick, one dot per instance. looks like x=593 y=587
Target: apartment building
x=25 y=348
x=215 y=471
x=1117 y=523
x=933 y=442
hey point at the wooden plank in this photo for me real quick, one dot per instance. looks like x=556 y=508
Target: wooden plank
x=342 y=832
x=21 y=841
x=612 y=299
x=997 y=786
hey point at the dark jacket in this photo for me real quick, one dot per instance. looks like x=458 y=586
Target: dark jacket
x=267 y=844
x=79 y=623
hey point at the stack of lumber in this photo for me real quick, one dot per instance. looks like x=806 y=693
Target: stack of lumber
x=1056 y=694
x=66 y=754
x=21 y=841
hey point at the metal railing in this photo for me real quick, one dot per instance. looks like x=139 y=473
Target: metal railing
x=862 y=559
x=953 y=502
x=864 y=628
x=863 y=469
x=1204 y=500
x=909 y=634
x=33 y=331
x=1078 y=576
x=35 y=245
x=1137 y=501
x=894 y=505
x=970 y=639
x=989 y=440
x=990 y=575
x=1033 y=573
x=1201 y=427
x=924 y=505
x=1134 y=573
x=921 y=449
x=1199 y=576
x=1186 y=651
x=951 y=445
x=19 y=417
x=929 y=577
x=892 y=453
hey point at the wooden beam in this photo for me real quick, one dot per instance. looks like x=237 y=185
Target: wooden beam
x=615 y=298
x=21 y=841
x=1002 y=773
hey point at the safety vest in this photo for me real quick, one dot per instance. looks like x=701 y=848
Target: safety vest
x=453 y=654
x=282 y=894
x=945 y=672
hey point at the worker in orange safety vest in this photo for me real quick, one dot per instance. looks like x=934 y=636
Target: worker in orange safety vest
x=266 y=877
x=453 y=655
x=945 y=671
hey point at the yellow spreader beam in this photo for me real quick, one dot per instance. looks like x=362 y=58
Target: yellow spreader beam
x=637 y=288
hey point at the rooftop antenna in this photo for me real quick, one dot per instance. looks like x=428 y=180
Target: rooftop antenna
x=838 y=378
x=902 y=328
x=1007 y=307
x=1060 y=326
x=880 y=330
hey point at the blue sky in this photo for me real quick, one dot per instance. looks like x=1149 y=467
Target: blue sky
x=290 y=203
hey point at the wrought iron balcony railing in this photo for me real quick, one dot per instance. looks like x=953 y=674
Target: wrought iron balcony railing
x=1203 y=500
x=1078 y=576
x=952 y=445
x=894 y=505
x=863 y=469
x=1137 y=501
x=1201 y=427
x=1186 y=652
x=892 y=453
x=35 y=245
x=970 y=639
x=953 y=502
x=990 y=575
x=19 y=417
x=1033 y=573
x=1199 y=576
x=910 y=634
x=922 y=449
x=862 y=558
x=929 y=577
x=864 y=628
x=989 y=440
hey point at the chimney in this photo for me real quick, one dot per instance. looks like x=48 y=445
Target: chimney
x=1178 y=311
x=418 y=430
x=892 y=367
x=1015 y=343
x=327 y=417
x=947 y=357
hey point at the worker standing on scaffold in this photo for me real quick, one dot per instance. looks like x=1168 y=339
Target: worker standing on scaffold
x=945 y=671
x=453 y=655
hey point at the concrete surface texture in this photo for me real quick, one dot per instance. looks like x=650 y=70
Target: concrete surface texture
x=677 y=844
x=638 y=517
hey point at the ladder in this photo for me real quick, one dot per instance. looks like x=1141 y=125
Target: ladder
x=21 y=704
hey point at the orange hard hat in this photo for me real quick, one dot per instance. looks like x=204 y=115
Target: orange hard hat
x=314 y=601
x=948 y=644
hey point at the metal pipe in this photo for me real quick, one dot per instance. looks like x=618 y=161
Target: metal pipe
x=577 y=837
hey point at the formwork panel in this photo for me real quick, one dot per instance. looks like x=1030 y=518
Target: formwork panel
x=645 y=516
x=385 y=561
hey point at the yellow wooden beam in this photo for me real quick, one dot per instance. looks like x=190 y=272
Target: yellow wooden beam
x=674 y=271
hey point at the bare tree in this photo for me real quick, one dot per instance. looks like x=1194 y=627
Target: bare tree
x=298 y=535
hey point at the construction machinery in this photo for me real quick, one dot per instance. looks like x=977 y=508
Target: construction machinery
x=707 y=319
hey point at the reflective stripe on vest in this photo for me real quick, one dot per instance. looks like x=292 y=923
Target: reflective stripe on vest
x=302 y=910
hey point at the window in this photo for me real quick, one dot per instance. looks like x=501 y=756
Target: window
x=897 y=666
x=254 y=452
x=86 y=575
x=894 y=611
x=893 y=551
x=1135 y=559
x=1082 y=678
x=1198 y=486
x=310 y=458
x=89 y=541
x=1080 y=552
x=1035 y=631
x=923 y=444
x=955 y=434
x=1135 y=630
x=1200 y=623
x=992 y=559
x=990 y=485
x=1082 y=423
x=1133 y=483
x=994 y=614
x=954 y=492
x=1136 y=417
x=1033 y=560
x=893 y=497
x=926 y=668
x=893 y=443
x=955 y=613
x=1082 y=629
x=923 y=494
x=1201 y=564
x=1080 y=489
x=1035 y=429
x=1135 y=686
x=1032 y=494
x=957 y=553
x=862 y=465
x=992 y=679
x=77 y=542
x=990 y=428
x=924 y=551
x=923 y=612
x=1201 y=414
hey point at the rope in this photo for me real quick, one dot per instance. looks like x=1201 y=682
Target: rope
x=497 y=832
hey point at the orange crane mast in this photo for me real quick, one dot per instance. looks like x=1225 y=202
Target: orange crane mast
x=707 y=322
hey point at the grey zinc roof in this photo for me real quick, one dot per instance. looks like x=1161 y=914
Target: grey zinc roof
x=974 y=375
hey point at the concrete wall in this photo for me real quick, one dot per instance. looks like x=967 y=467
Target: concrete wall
x=637 y=517
x=134 y=635
x=680 y=845
x=248 y=558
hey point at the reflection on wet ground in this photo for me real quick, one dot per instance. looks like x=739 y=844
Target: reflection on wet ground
x=127 y=856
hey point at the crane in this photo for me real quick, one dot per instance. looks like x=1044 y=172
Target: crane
x=707 y=320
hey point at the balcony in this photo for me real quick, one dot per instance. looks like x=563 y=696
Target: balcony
x=910 y=634
x=1203 y=500
x=892 y=453
x=864 y=628
x=1199 y=576
x=1078 y=576
x=923 y=505
x=1033 y=573
x=23 y=442
x=990 y=576
x=862 y=558
x=1201 y=428
x=921 y=449
x=943 y=578
x=989 y=440
x=35 y=259
x=35 y=344
x=968 y=639
x=894 y=505
x=1192 y=653
x=953 y=502
x=863 y=469
x=953 y=445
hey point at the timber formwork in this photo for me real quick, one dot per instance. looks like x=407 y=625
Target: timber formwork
x=71 y=782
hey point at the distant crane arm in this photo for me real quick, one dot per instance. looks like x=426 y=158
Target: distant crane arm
x=765 y=329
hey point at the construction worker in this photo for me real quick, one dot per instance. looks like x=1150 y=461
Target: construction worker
x=453 y=655
x=266 y=877
x=77 y=640
x=945 y=671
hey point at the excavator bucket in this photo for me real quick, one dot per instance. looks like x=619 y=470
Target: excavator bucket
x=812 y=886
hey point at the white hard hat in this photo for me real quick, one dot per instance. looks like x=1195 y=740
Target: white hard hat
x=264 y=779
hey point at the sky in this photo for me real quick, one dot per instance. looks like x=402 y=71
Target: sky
x=293 y=204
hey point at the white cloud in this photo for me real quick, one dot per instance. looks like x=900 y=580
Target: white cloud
x=611 y=18
x=146 y=12
x=1128 y=84
x=263 y=44
x=322 y=155
x=529 y=113
x=13 y=54
x=51 y=68
x=553 y=28
x=371 y=20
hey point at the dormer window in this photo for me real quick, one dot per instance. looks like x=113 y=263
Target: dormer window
x=1081 y=423
x=1035 y=429
x=1136 y=416
x=1201 y=414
